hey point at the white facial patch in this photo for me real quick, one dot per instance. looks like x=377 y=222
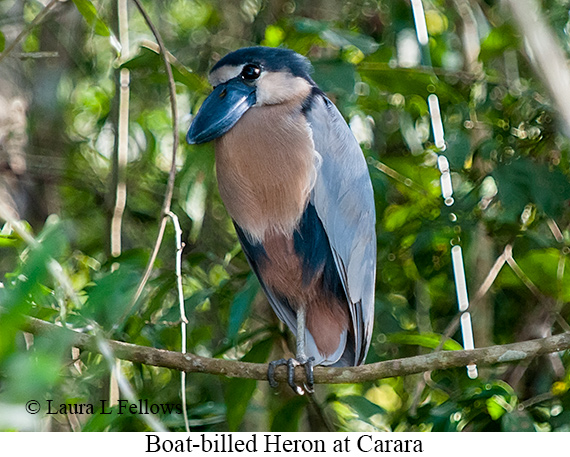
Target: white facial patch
x=278 y=87
x=272 y=87
x=223 y=74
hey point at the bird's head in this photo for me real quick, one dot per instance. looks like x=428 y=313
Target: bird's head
x=255 y=76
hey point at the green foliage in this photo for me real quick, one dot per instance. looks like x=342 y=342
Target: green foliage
x=89 y=13
x=238 y=392
x=499 y=40
x=510 y=163
x=241 y=305
x=425 y=340
x=524 y=182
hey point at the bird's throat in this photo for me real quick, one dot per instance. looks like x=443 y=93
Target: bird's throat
x=266 y=167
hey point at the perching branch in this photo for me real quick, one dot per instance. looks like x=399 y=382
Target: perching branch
x=191 y=363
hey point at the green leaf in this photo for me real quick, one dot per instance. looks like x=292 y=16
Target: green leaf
x=550 y=189
x=427 y=340
x=8 y=241
x=458 y=149
x=239 y=391
x=487 y=390
x=337 y=37
x=541 y=266
x=408 y=81
x=33 y=373
x=89 y=13
x=306 y=25
x=150 y=59
x=197 y=299
x=241 y=305
x=286 y=418
x=523 y=181
x=110 y=296
x=498 y=41
x=2 y=41
x=495 y=407
x=397 y=216
x=102 y=420
x=344 y=38
x=273 y=35
x=517 y=421
x=361 y=406
x=335 y=76
x=33 y=273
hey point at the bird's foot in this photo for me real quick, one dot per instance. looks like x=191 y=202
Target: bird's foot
x=308 y=386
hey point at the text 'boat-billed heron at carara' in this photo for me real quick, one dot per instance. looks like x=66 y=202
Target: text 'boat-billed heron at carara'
x=296 y=184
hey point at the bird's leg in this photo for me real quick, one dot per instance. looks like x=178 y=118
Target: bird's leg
x=301 y=359
x=301 y=354
x=301 y=317
x=271 y=371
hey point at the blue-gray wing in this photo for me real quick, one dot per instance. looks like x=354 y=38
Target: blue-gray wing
x=344 y=201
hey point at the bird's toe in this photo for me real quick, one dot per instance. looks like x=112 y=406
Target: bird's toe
x=308 y=386
x=291 y=364
x=271 y=371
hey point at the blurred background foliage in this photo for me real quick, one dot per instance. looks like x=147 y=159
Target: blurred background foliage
x=509 y=160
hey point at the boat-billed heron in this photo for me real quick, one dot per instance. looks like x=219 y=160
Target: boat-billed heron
x=296 y=184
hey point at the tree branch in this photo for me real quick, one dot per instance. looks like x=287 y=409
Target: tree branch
x=191 y=363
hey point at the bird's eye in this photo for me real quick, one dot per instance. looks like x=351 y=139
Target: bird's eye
x=250 y=72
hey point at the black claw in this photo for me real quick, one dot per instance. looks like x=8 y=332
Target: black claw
x=271 y=371
x=291 y=364
x=308 y=386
